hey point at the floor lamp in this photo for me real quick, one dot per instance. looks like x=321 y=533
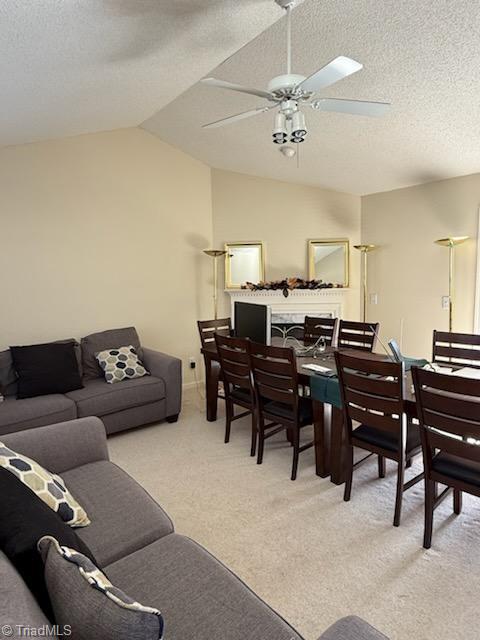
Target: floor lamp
x=365 y=248
x=451 y=243
x=215 y=254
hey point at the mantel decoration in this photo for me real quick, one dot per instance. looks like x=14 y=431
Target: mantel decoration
x=290 y=284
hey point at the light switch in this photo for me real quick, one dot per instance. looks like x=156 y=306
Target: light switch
x=374 y=298
x=445 y=302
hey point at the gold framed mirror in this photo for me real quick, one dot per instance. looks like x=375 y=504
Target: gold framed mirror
x=244 y=262
x=329 y=261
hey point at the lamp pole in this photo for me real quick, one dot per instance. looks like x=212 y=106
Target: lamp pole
x=451 y=243
x=215 y=254
x=364 y=249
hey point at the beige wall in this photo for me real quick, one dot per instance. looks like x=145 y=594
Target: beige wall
x=284 y=215
x=101 y=231
x=408 y=271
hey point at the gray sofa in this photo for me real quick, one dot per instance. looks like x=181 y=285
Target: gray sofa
x=123 y=405
x=133 y=539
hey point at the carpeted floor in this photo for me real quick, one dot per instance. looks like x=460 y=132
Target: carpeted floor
x=311 y=556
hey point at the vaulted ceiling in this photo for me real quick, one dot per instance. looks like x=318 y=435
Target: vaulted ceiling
x=76 y=66
x=90 y=65
x=422 y=56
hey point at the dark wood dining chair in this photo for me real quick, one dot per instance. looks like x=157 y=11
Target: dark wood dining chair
x=456 y=349
x=279 y=404
x=207 y=330
x=373 y=395
x=358 y=335
x=237 y=382
x=449 y=415
x=317 y=328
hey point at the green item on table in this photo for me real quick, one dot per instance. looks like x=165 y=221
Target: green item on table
x=326 y=389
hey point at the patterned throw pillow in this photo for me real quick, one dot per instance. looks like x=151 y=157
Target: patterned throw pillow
x=49 y=487
x=121 y=364
x=83 y=598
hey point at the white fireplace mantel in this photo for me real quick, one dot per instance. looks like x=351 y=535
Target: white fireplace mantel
x=298 y=304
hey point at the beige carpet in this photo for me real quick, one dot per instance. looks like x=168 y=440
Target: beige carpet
x=311 y=556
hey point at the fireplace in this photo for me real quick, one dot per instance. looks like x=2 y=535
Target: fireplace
x=289 y=313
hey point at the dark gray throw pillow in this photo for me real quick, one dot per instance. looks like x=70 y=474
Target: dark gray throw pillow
x=83 y=598
x=46 y=368
x=24 y=519
x=110 y=339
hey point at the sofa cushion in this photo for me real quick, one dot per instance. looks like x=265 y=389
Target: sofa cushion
x=86 y=602
x=98 y=398
x=352 y=628
x=123 y=516
x=25 y=519
x=17 y=603
x=44 y=369
x=16 y=415
x=198 y=596
x=96 y=342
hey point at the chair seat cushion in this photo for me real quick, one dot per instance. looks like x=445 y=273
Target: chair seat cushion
x=457 y=468
x=98 y=398
x=243 y=395
x=286 y=411
x=386 y=439
x=200 y=599
x=17 y=415
x=124 y=517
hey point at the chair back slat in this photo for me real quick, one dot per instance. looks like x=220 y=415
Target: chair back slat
x=451 y=424
x=452 y=348
x=442 y=403
x=372 y=402
x=208 y=328
x=234 y=362
x=317 y=328
x=363 y=383
x=379 y=421
x=274 y=373
x=455 y=447
x=266 y=378
x=367 y=396
x=449 y=413
x=357 y=335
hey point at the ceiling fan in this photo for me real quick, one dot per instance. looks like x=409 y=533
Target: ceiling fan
x=289 y=91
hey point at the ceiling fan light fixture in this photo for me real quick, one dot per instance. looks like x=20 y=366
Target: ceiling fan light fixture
x=280 y=132
x=299 y=128
x=297 y=139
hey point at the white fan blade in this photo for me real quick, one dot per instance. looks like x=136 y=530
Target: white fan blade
x=335 y=70
x=222 y=84
x=238 y=116
x=355 y=107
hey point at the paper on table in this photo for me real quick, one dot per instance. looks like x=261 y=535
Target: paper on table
x=467 y=372
x=317 y=367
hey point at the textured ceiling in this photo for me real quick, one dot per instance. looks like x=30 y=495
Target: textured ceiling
x=424 y=57
x=77 y=66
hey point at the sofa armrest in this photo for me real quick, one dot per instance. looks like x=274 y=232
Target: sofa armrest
x=352 y=628
x=169 y=369
x=62 y=446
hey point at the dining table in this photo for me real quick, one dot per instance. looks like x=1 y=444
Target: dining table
x=324 y=390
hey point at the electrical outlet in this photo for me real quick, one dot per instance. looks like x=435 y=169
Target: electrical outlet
x=193 y=362
x=445 y=302
x=374 y=298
